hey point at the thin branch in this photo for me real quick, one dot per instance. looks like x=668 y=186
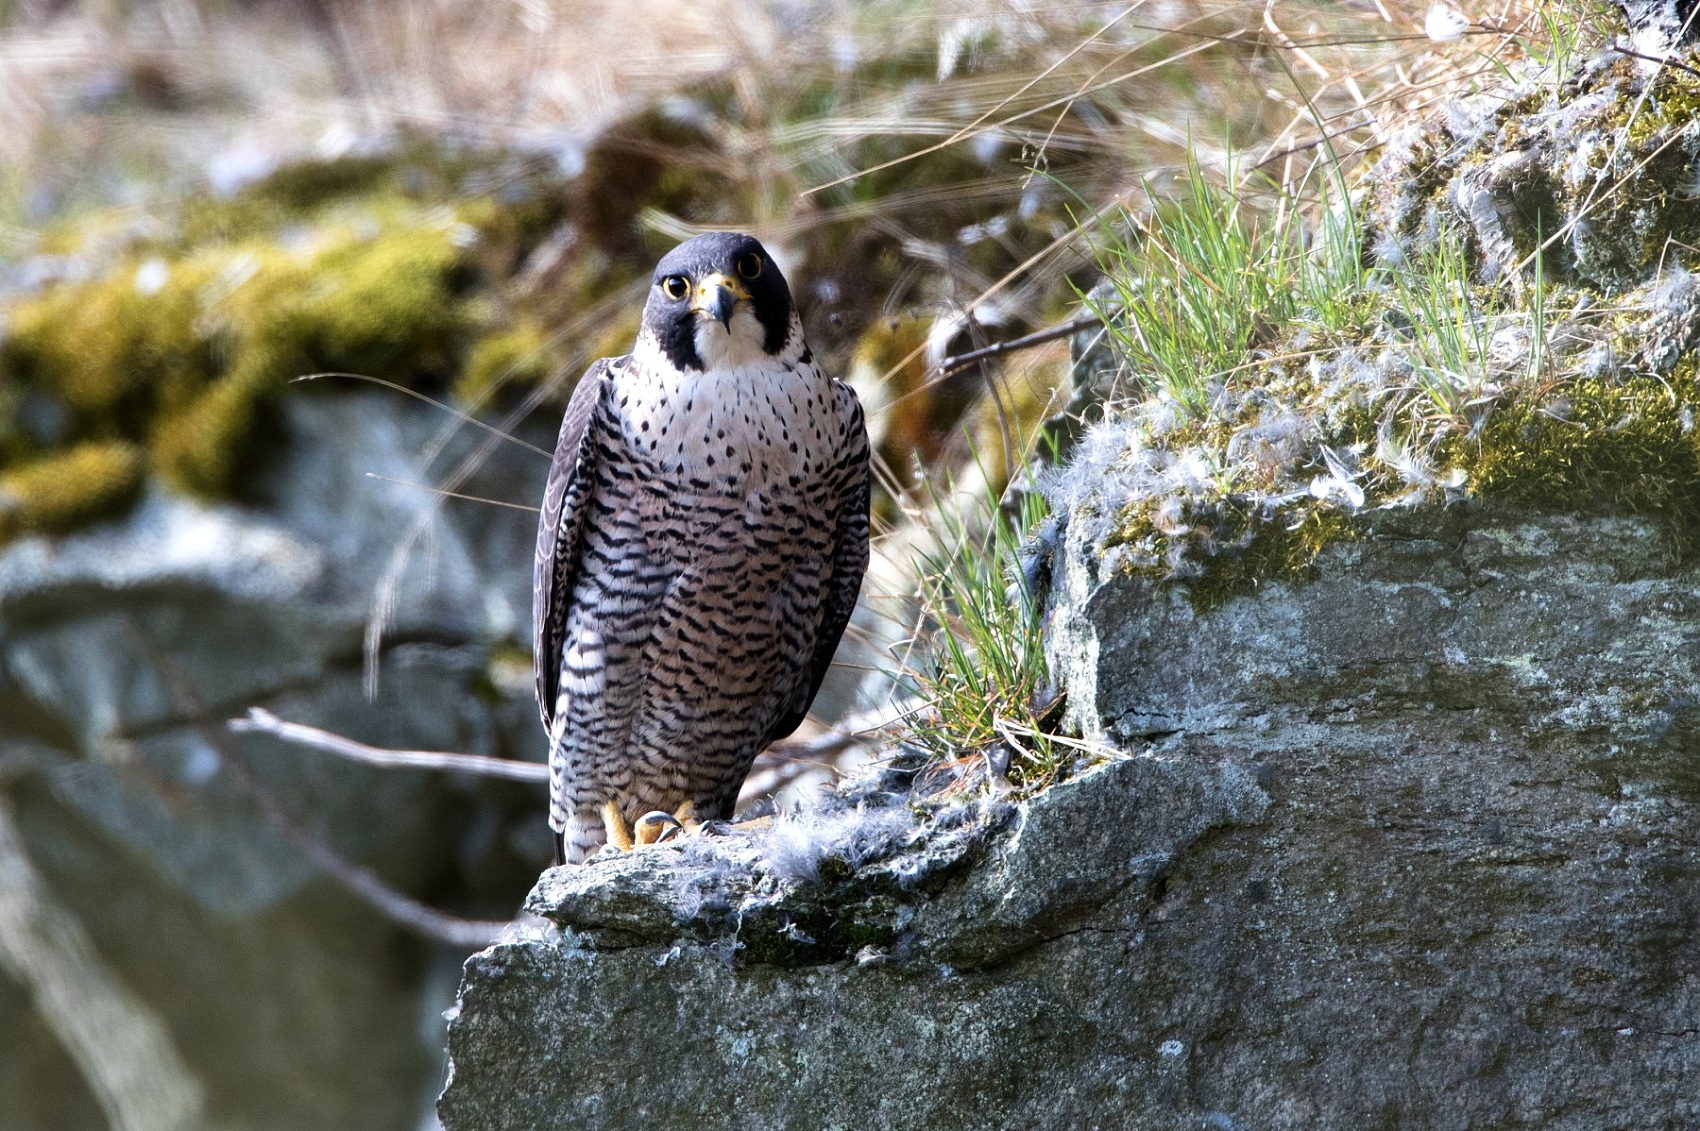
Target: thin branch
x=399 y=908
x=1661 y=60
x=262 y=721
x=1038 y=338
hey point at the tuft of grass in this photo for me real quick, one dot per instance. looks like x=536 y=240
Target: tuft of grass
x=1332 y=274
x=1204 y=278
x=980 y=666
x=1449 y=330
x=1492 y=390
x=1196 y=282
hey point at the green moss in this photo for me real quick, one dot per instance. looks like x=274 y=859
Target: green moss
x=1248 y=545
x=1580 y=446
x=1281 y=550
x=347 y=265
x=295 y=193
x=59 y=492
x=378 y=301
x=1593 y=444
x=197 y=449
x=183 y=353
x=1634 y=202
x=110 y=350
x=1671 y=104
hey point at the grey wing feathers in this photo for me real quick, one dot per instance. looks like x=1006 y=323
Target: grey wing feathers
x=850 y=562
x=559 y=532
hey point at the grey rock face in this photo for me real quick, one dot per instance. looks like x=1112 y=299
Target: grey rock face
x=292 y=1003
x=1411 y=846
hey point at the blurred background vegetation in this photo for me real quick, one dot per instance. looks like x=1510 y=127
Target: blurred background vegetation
x=442 y=210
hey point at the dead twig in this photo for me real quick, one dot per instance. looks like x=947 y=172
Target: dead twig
x=262 y=721
x=963 y=360
x=814 y=749
x=774 y=768
x=399 y=908
x=1659 y=59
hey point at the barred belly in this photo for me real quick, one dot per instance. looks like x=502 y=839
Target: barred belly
x=692 y=630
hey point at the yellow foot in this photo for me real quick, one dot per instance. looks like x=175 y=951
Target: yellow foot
x=654 y=827
x=619 y=836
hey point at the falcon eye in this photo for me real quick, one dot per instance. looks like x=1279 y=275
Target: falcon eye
x=749 y=266
x=676 y=287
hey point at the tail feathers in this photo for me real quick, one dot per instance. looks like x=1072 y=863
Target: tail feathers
x=583 y=835
x=568 y=827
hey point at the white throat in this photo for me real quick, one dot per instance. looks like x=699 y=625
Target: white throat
x=733 y=346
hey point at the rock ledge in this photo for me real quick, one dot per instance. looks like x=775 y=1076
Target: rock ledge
x=1413 y=845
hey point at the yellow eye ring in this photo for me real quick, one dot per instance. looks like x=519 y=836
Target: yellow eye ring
x=676 y=287
x=749 y=266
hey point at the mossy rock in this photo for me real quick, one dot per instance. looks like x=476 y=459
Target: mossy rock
x=1595 y=445
x=1612 y=173
x=525 y=194
x=62 y=491
x=1476 y=370
x=198 y=449
x=182 y=341
x=182 y=352
x=113 y=349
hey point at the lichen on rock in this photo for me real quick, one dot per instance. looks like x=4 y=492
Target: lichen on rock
x=1380 y=817
x=1594 y=169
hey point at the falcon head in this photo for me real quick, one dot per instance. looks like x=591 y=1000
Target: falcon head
x=718 y=301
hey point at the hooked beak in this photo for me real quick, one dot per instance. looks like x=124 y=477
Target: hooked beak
x=717 y=296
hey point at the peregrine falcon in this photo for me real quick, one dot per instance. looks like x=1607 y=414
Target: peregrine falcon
x=703 y=538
